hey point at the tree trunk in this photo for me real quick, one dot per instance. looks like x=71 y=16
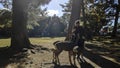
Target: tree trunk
x=75 y=15
x=116 y=21
x=19 y=38
x=83 y=12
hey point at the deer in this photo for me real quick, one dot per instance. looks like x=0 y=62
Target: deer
x=70 y=46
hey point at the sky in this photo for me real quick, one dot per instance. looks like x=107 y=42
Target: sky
x=1 y=6
x=54 y=7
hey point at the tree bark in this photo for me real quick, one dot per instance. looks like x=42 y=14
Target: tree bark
x=83 y=12
x=75 y=15
x=19 y=37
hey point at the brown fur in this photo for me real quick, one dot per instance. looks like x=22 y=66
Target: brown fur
x=66 y=46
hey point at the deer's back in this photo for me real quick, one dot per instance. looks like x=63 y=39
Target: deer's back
x=66 y=45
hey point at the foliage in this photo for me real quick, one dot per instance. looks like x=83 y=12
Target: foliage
x=95 y=16
x=49 y=26
x=5 y=22
x=34 y=10
x=6 y=13
x=5 y=17
x=97 y=13
x=6 y=3
x=35 y=13
x=67 y=7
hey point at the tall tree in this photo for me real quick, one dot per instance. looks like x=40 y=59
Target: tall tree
x=19 y=38
x=83 y=11
x=117 y=6
x=20 y=9
x=75 y=15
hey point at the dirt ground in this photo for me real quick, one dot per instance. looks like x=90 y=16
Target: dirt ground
x=41 y=57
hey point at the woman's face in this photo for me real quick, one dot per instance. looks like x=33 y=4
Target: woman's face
x=77 y=24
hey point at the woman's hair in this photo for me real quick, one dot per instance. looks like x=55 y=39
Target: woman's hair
x=77 y=22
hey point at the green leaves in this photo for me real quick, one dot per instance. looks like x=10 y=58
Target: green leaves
x=5 y=17
x=35 y=13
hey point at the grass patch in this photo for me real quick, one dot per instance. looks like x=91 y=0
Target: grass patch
x=6 y=42
x=45 y=40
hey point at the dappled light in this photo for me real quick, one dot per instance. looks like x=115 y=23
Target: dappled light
x=59 y=34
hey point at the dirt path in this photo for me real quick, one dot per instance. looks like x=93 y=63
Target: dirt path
x=41 y=57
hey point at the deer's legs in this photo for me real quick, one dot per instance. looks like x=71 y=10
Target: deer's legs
x=70 y=54
x=58 y=60
x=57 y=53
x=74 y=57
x=53 y=60
x=54 y=56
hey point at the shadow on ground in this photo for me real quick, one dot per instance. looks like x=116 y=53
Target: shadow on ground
x=7 y=56
x=4 y=56
x=64 y=66
x=95 y=58
x=98 y=59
